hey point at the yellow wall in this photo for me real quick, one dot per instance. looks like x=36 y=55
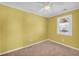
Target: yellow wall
x=18 y=28
x=68 y=40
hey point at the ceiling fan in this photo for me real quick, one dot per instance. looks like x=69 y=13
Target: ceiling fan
x=47 y=6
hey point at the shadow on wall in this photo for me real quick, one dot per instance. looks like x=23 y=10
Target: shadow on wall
x=71 y=40
x=18 y=28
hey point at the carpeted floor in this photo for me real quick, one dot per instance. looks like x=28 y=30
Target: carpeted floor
x=46 y=48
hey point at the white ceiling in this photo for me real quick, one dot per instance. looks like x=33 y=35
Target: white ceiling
x=38 y=7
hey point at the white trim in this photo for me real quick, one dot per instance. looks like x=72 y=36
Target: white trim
x=22 y=47
x=38 y=43
x=60 y=13
x=64 y=45
x=69 y=25
x=56 y=14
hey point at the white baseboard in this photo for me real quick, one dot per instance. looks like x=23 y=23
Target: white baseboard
x=22 y=47
x=38 y=43
x=64 y=45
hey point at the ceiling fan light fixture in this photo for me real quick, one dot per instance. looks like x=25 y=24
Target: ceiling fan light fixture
x=47 y=7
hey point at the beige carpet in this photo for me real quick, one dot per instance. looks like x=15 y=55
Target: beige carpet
x=46 y=48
